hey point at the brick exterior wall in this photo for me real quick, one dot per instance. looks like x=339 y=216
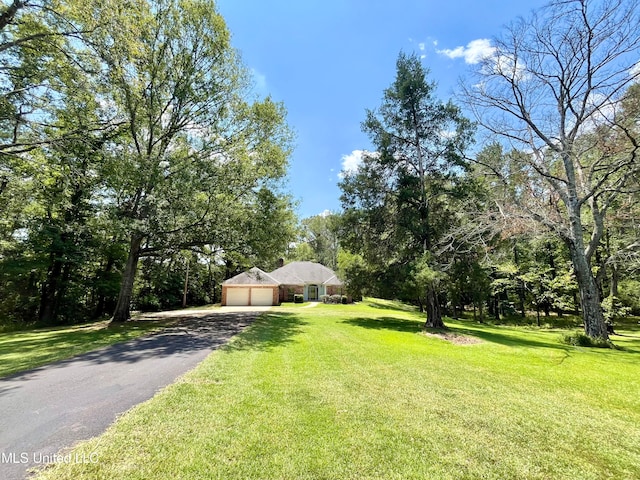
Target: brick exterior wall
x=288 y=291
x=223 y=298
x=335 y=290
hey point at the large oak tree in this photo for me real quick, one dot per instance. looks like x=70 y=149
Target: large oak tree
x=198 y=158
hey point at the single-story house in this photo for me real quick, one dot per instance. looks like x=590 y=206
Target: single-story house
x=256 y=287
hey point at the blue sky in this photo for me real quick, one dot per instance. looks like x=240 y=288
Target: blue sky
x=329 y=60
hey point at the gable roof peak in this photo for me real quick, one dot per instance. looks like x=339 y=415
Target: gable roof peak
x=253 y=276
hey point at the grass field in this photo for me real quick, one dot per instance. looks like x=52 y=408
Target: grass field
x=360 y=392
x=22 y=350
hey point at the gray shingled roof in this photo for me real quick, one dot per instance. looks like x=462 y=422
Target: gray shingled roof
x=299 y=273
x=255 y=276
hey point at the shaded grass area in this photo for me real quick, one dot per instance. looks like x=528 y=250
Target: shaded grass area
x=360 y=392
x=27 y=349
x=566 y=321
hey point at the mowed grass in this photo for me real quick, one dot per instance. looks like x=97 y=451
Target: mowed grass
x=359 y=392
x=23 y=350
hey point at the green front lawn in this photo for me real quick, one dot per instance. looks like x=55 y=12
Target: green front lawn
x=22 y=350
x=354 y=392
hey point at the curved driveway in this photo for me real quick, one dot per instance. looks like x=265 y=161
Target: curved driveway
x=52 y=407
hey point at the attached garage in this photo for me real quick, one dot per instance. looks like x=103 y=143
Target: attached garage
x=251 y=288
x=262 y=296
x=238 y=296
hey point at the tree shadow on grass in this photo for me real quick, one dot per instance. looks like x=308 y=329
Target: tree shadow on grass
x=272 y=330
x=188 y=335
x=510 y=339
x=416 y=326
x=386 y=323
x=386 y=305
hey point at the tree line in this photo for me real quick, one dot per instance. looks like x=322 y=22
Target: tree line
x=133 y=154
x=137 y=168
x=543 y=213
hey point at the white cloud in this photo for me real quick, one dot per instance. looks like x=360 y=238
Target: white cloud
x=421 y=46
x=448 y=134
x=508 y=67
x=602 y=110
x=474 y=52
x=351 y=163
x=481 y=50
x=260 y=83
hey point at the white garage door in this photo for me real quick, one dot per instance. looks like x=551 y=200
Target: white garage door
x=261 y=296
x=237 y=296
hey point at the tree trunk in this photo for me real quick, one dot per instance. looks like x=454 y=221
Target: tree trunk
x=186 y=287
x=613 y=288
x=48 y=297
x=521 y=299
x=101 y=304
x=520 y=287
x=53 y=287
x=434 y=315
x=594 y=324
x=613 y=285
x=123 y=310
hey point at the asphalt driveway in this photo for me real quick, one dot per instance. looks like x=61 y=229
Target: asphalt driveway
x=52 y=407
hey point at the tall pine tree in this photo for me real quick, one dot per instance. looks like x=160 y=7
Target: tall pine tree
x=401 y=201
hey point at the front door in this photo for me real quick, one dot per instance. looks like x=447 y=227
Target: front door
x=313 y=292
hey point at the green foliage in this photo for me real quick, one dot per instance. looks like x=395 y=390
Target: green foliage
x=301 y=252
x=333 y=299
x=298 y=298
x=160 y=283
x=149 y=303
x=614 y=309
x=425 y=275
x=404 y=198
x=146 y=133
x=353 y=270
x=318 y=240
x=629 y=292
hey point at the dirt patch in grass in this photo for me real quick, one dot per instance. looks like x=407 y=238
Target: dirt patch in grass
x=454 y=338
